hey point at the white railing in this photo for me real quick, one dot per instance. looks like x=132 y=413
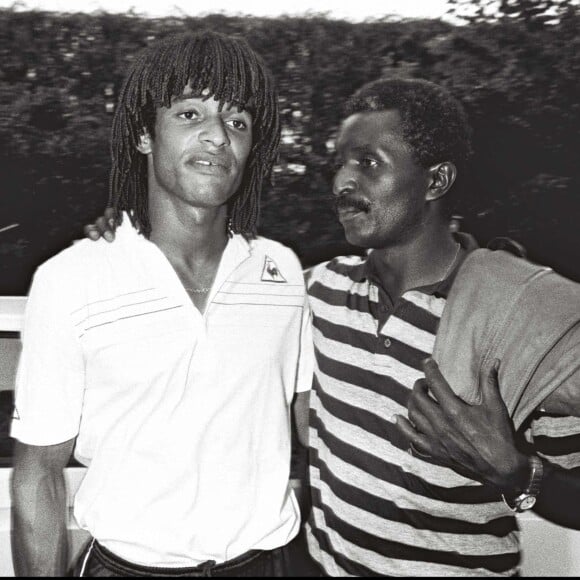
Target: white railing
x=11 y=313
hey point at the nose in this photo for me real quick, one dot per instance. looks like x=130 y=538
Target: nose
x=344 y=182
x=215 y=133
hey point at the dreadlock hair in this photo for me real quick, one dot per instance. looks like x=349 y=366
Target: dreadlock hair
x=229 y=71
x=434 y=123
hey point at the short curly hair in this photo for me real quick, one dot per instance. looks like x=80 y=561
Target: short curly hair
x=435 y=124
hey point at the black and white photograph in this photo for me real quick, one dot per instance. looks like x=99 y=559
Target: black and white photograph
x=289 y=290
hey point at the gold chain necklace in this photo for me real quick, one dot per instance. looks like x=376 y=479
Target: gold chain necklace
x=198 y=290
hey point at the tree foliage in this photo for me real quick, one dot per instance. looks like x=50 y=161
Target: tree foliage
x=59 y=76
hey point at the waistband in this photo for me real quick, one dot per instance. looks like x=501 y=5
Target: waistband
x=208 y=568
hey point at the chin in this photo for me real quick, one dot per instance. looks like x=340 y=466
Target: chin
x=357 y=238
x=372 y=240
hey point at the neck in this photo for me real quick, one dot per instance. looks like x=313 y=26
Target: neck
x=188 y=235
x=424 y=260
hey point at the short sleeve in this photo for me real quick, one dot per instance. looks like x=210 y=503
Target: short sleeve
x=312 y=274
x=50 y=378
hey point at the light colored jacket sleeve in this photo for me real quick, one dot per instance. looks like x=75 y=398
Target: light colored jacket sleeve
x=501 y=306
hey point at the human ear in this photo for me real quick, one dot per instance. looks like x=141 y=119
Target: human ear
x=442 y=178
x=144 y=145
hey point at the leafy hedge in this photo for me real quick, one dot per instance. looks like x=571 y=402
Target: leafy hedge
x=59 y=75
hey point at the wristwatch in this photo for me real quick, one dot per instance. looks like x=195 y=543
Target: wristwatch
x=527 y=499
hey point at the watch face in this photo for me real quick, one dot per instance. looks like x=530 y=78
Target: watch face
x=528 y=502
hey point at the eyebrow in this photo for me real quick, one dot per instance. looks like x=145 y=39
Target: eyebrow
x=183 y=98
x=366 y=148
x=363 y=148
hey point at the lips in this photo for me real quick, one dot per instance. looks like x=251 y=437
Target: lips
x=209 y=163
x=347 y=214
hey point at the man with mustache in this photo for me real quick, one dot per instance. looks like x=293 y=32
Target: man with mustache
x=168 y=362
x=419 y=492
x=407 y=470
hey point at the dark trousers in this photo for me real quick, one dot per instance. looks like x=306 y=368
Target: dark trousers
x=289 y=560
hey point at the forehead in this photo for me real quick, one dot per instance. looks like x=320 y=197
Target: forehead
x=371 y=130
x=206 y=96
x=190 y=93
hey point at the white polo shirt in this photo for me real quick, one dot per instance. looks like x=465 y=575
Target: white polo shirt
x=183 y=419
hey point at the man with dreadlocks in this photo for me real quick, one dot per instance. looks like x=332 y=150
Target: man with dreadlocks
x=169 y=360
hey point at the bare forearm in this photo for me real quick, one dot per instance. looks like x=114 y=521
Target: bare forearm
x=39 y=540
x=300 y=412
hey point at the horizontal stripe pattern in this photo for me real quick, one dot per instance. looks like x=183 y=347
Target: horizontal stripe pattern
x=377 y=510
x=121 y=308
x=360 y=553
x=557 y=439
x=383 y=456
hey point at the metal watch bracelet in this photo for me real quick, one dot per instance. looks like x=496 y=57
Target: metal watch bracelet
x=527 y=498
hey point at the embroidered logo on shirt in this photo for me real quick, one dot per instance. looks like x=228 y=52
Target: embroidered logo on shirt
x=270 y=272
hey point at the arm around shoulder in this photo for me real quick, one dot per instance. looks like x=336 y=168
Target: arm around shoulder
x=39 y=515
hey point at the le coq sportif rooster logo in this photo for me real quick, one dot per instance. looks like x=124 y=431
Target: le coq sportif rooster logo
x=271 y=272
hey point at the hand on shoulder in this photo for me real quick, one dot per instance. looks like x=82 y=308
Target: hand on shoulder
x=103 y=227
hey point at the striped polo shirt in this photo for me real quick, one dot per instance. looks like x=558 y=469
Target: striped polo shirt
x=376 y=508
x=556 y=438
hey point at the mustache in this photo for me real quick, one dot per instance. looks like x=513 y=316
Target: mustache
x=351 y=203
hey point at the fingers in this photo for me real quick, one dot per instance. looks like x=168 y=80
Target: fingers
x=489 y=383
x=104 y=227
x=418 y=442
x=439 y=387
x=111 y=215
x=91 y=232
x=424 y=413
x=423 y=410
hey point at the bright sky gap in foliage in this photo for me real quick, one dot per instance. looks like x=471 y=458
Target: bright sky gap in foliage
x=355 y=11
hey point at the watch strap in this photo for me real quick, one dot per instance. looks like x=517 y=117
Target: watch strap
x=527 y=498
